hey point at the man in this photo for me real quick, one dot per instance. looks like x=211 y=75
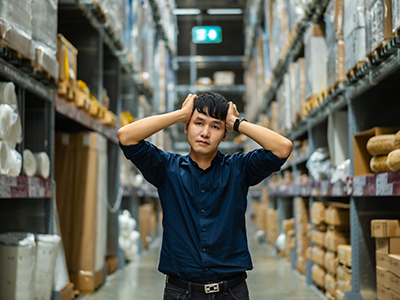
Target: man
x=203 y=195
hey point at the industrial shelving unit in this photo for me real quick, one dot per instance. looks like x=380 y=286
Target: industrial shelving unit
x=369 y=98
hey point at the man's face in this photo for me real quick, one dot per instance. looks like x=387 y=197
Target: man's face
x=205 y=133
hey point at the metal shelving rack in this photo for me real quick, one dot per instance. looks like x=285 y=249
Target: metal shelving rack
x=368 y=98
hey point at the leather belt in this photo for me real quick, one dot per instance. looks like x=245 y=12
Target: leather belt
x=207 y=288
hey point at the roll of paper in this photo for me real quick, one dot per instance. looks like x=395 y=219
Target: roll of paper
x=30 y=165
x=4 y=157
x=7 y=119
x=43 y=164
x=15 y=163
x=8 y=95
x=15 y=136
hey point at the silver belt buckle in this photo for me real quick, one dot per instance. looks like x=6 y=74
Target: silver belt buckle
x=211 y=288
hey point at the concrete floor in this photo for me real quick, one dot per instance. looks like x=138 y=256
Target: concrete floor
x=271 y=278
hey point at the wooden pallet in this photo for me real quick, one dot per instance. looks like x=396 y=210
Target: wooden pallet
x=345 y=264
x=354 y=70
x=336 y=86
x=329 y=296
x=100 y=13
x=377 y=50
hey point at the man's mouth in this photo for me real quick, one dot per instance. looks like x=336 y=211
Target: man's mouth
x=201 y=142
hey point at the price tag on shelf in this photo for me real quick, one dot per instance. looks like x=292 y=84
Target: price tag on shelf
x=33 y=187
x=358 y=185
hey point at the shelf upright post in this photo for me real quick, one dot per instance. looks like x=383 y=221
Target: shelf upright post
x=113 y=84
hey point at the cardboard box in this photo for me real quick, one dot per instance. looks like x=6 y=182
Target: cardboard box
x=344 y=286
x=113 y=264
x=318 y=275
x=301 y=265
x=344 y=253
x=64 y=173
x=393 y=262
x=395 y=15
x=318 y=237
x=331 y=262
x=394 y=282
x=382 y=276
x=383 y=293
x=394 y=295
x=288 y=225
x=337 y=216
x=330 y=284
x=382 y=260
x=67 y=292
x=378 y=23
x=67 y=62
x=88 y=282
x=318 y=256
x=334 y=239
x=355 y=48
x=385 y=228
x=388 y=245
x=360 y=154
x=300 y=93
x=339 y=295
x=344 y=274
x=318 y=213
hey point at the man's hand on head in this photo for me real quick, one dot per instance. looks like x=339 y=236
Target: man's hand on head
x=231 y=117
x=187 y=107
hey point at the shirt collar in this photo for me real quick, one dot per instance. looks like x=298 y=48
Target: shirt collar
x=213 y=162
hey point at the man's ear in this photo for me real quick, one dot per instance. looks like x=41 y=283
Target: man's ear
x=186 y=128
x=225 y=135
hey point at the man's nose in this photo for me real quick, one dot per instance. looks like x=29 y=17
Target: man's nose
x=205 y=132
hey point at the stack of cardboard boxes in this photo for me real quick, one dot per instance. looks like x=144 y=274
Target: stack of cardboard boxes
x=272 y=226
x=301 y=207
x=288 y=229
x=387 y=234
x=81 y=185
x=331 y=227
x=343 y=274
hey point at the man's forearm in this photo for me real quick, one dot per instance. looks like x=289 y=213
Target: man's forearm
x=142 y=129
x=268 y=139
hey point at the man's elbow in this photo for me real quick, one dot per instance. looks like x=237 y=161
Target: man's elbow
x=287 y=148
x=122 y=136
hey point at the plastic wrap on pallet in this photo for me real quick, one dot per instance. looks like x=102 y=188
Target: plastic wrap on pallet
x=288 y=104
x=315 y=52
x=296 y=12
x=336 y=63
x=135 y=50
x=300 y=83
x=378 y=23
x=46 y=252
x=354 y=15
x=275 y=42
x=15 y=26
x=355 y=48
x=128 y=25
x=114 y=10
x=148 y=44
x=17 y=263
x=395 y=15
x=44 y=33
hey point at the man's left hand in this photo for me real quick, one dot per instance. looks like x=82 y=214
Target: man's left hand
x=231 y=117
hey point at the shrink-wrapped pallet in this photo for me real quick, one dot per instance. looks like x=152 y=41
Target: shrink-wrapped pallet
x=15 y=26
x=315 y=52
x=44 y=33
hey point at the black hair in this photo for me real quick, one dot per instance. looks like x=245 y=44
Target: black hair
x=212 y=104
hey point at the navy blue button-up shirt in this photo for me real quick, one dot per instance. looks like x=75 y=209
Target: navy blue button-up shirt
x=204 y=236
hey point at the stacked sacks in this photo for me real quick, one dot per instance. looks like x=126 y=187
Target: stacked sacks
x=129 y=237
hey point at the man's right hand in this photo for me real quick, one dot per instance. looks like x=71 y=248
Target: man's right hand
x=187 y=107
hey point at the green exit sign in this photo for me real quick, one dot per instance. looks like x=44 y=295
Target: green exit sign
x=206 y=34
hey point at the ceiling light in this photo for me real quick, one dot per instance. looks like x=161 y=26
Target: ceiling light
x=186 y=11
x=224 y=11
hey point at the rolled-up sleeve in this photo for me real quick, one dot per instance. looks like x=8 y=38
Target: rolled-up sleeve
x=259 y=164
x=149 y=159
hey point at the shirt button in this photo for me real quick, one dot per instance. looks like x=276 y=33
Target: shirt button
x=204 y=229
x=202 y=191
x=202 y=211
x=206 y=269
x=204 y=249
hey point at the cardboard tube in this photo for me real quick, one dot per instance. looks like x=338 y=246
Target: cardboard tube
x=30 y=165
x=15 y=163
x=7 y=118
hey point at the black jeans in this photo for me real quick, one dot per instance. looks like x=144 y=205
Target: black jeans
x=239 y=292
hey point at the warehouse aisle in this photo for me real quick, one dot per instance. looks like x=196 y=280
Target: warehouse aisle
x=271 y=279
